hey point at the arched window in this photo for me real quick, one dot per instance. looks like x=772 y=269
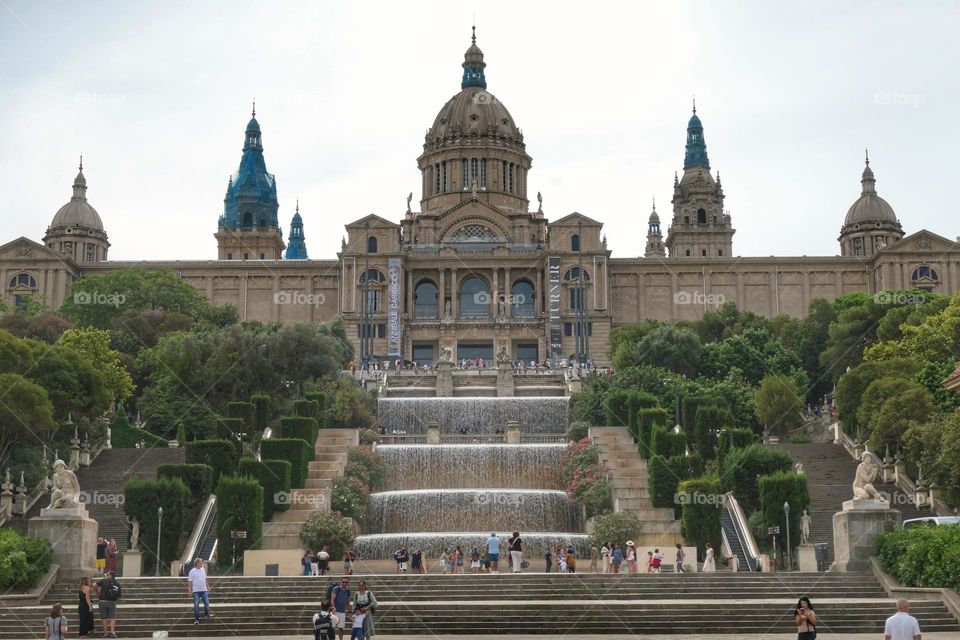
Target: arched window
x=924 y=273
x=374 y=276
x=523 y=299
x=425 y=300
x=575 y=242
x=475 y=298
x=474 y=233
x=372 y=244
x=701 y=216
x=23 y=281
x=574 y=272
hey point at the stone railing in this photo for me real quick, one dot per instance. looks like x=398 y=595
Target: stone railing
x=893 y=469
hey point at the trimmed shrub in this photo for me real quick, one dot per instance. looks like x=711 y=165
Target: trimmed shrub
x=616 y=409
x=732 y=438
x=707 y=423
x=181 y=436
x=637 y=400
x=300 y=427
x=232 y=429
x=368 y=466
x=666 y=474
x=322 y=404
x=239 y=508
x=741 y=467
x=368 y=436
x=244 y=411
x=688 y=416
x=331 y=529
x=197 y=477
x=124 y=435
x=262 y=409
x=647 y=419
x=578 y=431
x=666 y=443
x=295 y=451
x=305 y=408
x=222 y=455
x=142 y=498
x=23 y=560
x=274 y=478
x=923 y=556
x=780 y=487
x=700 y=513
x=615 y=527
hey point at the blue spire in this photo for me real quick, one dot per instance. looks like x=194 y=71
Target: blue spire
x=296 y=245
x=473 y=65
x=696 y=154
x=251 y=198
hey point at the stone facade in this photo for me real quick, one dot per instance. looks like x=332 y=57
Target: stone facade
x=476 y=270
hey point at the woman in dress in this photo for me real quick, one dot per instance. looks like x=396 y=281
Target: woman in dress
x=605 y=552
x=55 y=626
x=112 y=554
x=85 y=609
x=709 y=563
x=616 y=557
x=367 y=603
x=459 y=568
x=631 y=557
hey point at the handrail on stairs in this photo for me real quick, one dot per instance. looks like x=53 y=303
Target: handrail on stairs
x=744 y=534
x=200 y=529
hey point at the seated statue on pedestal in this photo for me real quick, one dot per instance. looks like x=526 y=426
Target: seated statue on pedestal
x=863 y=488
x=65 y=493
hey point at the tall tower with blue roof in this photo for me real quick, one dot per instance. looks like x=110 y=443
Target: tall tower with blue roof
x=296 y=242
x=700 y=227
x=248 y=228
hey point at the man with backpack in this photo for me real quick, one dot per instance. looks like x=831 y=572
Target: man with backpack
x=108 y=594
x=324 y=623
x=339 y=599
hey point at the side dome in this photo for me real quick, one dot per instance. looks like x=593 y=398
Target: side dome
x=78 y=212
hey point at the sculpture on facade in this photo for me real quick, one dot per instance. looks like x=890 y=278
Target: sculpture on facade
x=805 y=522
x=863 y=488
x=66 y=490
x=503 y=355
x=134 y=533
x=446 y=355
x=539 y=203
x=409 y=200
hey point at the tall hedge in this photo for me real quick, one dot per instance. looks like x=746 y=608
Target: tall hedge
x=142 y=498
x=305 y=408
x=323 y=404
x=742 y=467
x=222 y=455
x=647 y=419
x=197 y=477
x=780 y=487
x=295 y=451
x=274 y=477
x=666 y=474
x=300 y=427
x=239 y=508
x=262 y=409
x=664 y=442
x=244 y=411
x=708 y=421
x=616 y=409
x=637 y=400
x=688 y=416
x=731 y=438
x=700 y=514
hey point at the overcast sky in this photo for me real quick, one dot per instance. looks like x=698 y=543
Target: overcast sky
x=156 y=97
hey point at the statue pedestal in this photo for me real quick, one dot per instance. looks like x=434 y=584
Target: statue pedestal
x=73 y=538
x=433 y=433
x=806 y=558
x=133 y=564
x=855 y=529
x=504 y=380
x=513 y=432
x=444 y=379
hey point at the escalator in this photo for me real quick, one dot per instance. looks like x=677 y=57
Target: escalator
x=732 y=540
x=737 y=535
x=208 y=544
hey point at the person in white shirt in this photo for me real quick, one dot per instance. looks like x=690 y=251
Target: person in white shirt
x=197 y=586
x=902 y=625
x=356 y=633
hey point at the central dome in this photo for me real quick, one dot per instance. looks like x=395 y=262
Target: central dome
x=78 y=212
x=869 y=207
x=474 y=111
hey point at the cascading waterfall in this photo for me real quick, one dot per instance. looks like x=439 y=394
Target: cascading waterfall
x=463 y=466
x=474 y=415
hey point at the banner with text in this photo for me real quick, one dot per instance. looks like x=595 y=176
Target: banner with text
x=393 y=307
x=553 y=272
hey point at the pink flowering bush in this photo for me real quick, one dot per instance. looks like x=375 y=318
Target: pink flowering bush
x=585 y=479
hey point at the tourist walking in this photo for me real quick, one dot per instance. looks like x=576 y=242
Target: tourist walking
x=571 y=561
x=806 y=620
x=605 y=552
x=901 y=625
x=323 y=560
x=493 y=553
x=680 y=556
x=649 y=561
x=85 y=609
x=616 y=557
x=594 y=556
x=108 y=595
x=305 y=563
x=559 y=558
x=459 y=565
x=339 y=598
x=516 y=551
x=631 y=557
x=112 y=554
x=445 y=561
x=314 y=564
x=367 y=603
x=101 y=555
x=549 y=558
x=657 y=560
x=55 y=626
x=474 y=561
x=710 y=562
x=416 y=561
x=324 y=623
x=198 y=589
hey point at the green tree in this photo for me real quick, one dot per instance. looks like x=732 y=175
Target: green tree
x=756 y=353
x=94 y=346
x=15 y=354
x=671 y=348
x=26 y=415
x=778 y=405
x=74 y=386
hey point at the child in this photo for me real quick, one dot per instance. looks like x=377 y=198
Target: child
x=445 y=561
x=475 y=561
x=649 y=561
x=563 y=563
x=657 y=560
x=357 y=632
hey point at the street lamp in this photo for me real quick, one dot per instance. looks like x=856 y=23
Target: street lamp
x=159 y=529
x=786 y=513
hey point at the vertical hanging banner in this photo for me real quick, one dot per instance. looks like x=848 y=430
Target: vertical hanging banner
x=393 y=307
x=553 y=273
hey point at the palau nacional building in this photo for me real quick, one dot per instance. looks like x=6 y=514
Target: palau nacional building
x=478 y=268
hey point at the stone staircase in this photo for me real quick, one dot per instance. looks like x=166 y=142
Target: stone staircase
x=631 y=489
x=102 y=485
x=329 y=459
x=830 y=471
x=557 y=604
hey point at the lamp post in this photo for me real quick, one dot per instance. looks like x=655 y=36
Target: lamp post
x=786 y=514
x=159 y=529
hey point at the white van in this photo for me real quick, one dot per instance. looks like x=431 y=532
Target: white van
x=932 y=520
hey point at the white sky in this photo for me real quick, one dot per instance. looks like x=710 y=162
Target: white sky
x=156 y=96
